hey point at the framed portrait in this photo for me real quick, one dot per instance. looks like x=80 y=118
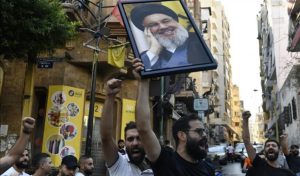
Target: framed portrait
x=165 y=37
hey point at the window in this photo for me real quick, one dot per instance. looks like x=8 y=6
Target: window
x=294 y=108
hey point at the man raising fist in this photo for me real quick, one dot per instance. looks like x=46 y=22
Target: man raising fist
x=17 y=150
x=269 y=165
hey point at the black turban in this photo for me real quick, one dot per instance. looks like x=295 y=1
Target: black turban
x=140 y=12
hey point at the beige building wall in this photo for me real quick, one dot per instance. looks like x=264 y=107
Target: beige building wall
x=258 y=128
x=220 y=79
x=236 y=112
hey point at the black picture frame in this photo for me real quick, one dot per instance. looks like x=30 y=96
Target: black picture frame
x=162 y=18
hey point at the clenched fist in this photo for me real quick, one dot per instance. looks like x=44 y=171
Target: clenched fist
x=246 y=114
x=28 y=124
x=113 y=86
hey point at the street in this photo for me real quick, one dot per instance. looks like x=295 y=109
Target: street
x=232 y=169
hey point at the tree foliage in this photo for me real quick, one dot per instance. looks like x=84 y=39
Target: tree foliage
x=31 y=26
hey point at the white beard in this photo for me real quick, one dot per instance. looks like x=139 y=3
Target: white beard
x=181 y=35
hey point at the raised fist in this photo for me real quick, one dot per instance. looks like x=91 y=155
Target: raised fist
x=113 y=86
x=284 y=136
x=246 y=114
x=28 y=124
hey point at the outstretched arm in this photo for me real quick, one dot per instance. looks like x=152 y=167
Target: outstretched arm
x=17 y=150
x=284 y=144
x=109 y=146
x=246 y=136
x=148 y=138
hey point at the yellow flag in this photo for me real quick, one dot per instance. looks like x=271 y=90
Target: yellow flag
x=116 y=55
x=178 y=9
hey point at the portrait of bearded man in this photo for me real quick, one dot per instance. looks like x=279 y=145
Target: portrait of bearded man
x=170 y=43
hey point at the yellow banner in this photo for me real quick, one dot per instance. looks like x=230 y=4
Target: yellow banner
x=98 y=107
x=63 y=124
x=128 y=114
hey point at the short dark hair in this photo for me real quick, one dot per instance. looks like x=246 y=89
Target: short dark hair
x=272 y=140
x=83 y=158
x=39 y=159
x=294 y=146
x=182 y=124
x=130 y=125
x=70 y=162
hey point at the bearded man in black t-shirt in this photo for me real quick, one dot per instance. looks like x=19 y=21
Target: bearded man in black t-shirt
x=188 y=132
x=292 y=156
x=269 y=165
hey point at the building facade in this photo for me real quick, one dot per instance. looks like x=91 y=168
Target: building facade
x=280 y=67
x=218 y=34
x=236 y=113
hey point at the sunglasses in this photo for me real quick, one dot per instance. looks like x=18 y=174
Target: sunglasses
x=200 y=131
x=71 y=168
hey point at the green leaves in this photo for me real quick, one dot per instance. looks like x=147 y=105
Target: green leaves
x=32 y=26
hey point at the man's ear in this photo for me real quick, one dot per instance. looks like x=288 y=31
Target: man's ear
x=181 y=136
x=81 y=165
x=42 y=165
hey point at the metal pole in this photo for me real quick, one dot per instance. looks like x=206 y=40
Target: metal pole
x=277 y=130
x=89 y=136
x=162 y=83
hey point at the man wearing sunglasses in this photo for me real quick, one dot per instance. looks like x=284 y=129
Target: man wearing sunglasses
x=188 y=132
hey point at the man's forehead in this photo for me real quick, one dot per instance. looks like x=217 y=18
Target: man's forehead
x=271 y=143
x=132 y=133
x=89 y=160
x=26 y=152
x=156 y=16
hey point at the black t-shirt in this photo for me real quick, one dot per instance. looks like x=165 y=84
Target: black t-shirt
x=172 y=164
x=262 y=168
x=293 y=162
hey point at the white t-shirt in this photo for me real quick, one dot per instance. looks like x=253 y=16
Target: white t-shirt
x=122 y=167
x=230 y=149
x=79 y=174
x=12 y=171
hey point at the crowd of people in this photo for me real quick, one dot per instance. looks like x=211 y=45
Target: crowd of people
x=17 y=159
x=141 y=152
